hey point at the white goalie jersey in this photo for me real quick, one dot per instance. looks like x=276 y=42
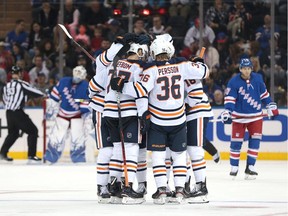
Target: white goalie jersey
x=164 y=81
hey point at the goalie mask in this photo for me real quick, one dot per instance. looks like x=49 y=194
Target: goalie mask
x=79 y=74
x=140 y=50
x=160 y=46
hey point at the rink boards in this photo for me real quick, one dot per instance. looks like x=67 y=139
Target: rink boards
x=273 y=145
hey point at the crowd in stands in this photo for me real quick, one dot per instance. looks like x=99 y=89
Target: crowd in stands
x=233 y=29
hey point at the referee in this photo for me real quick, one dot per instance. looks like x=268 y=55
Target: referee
x=15 y=94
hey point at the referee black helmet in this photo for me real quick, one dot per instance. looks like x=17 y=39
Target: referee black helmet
x=16 y=70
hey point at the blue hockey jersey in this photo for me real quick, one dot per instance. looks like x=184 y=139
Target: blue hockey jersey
x=66 y=92
x=244 y=98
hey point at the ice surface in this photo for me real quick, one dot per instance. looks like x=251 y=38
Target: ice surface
x=67 y=189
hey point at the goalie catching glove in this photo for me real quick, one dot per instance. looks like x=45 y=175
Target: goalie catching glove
x=226 y=117
x=145 y=122
x=272 y=109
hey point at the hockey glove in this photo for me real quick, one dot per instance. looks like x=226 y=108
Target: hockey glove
x=197 y=59
x=272 y=110
x=127 y=38
x=117 y=84
x=145 y=122
x=144 y=39
x=226 y=117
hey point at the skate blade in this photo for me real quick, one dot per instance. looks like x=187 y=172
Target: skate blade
x=250 y=177
x=131 y=201
x=104 y=200
x=160 y=201
x=198 y=200
x=177 y=200
x=115 y=200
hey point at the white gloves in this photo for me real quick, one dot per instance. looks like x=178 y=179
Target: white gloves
x=272 y=109
x=226 y=117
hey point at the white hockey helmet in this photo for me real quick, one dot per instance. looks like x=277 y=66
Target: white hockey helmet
x=79 y=74
x=140 y=50
x=167 y=37
x=159 y=46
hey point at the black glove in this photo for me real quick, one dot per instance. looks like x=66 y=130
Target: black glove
x=187 y=107
x=145 y=122
x=197 y=59
x=144 y=39
x=127 y=38
x=117 y=84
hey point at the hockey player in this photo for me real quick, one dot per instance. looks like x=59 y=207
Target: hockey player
x=244 y=96
x=98 y=84
x=164 y=81
x=71 y=115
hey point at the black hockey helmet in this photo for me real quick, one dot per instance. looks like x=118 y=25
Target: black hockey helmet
x=15 y=69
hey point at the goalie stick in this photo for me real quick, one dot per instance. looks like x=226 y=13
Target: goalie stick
x=71 y=38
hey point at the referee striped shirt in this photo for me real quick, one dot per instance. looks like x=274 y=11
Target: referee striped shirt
x=16 y=92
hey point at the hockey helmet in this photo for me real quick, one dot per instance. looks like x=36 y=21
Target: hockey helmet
x=167 y=37
x=159 y=46
x=245 y=62
x=79 y=74
x=140 y=50
x=15 y=69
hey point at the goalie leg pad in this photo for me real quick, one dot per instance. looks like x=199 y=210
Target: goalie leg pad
x=56 y=141
x=77 y=150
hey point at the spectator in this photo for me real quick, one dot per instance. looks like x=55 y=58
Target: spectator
x=218 y=98
x=82 y=61
x=180 y=8
x=19 y=53
x=41 y=85
x=222 y=48
x=47 y=18
x=105 y=44
x=54 y=74
x=256 y=67
x=97 y=39
x=48 y=52
x=35 y=37
x=217 y=17
x=263 y=33
x=157 y=28
x=94 y=16
x=239 y=21
x=139 y=27
x=210 y=87
x=194 y=33
x=6 y=58
x=82 y=36
x=211 y=56
x=114 y=30
x=38 y=68
x=189 y=52
x=18 y=35
x=71 y=17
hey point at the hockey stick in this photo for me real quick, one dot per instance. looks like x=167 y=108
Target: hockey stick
x=71 y=38
x=120 y=125
x=202 y=51
x=246 y=117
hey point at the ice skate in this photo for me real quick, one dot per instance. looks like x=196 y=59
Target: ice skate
x=170 y=195
x=234 y=172
x=142 y=188
x=115 y=191
x=180 y=195
x=103 y=194
x=129 y=196
x=217 y=158
x=159 y=197
x=5 y=159
x=199 y=194
x=34 y=160
x=250 y=173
